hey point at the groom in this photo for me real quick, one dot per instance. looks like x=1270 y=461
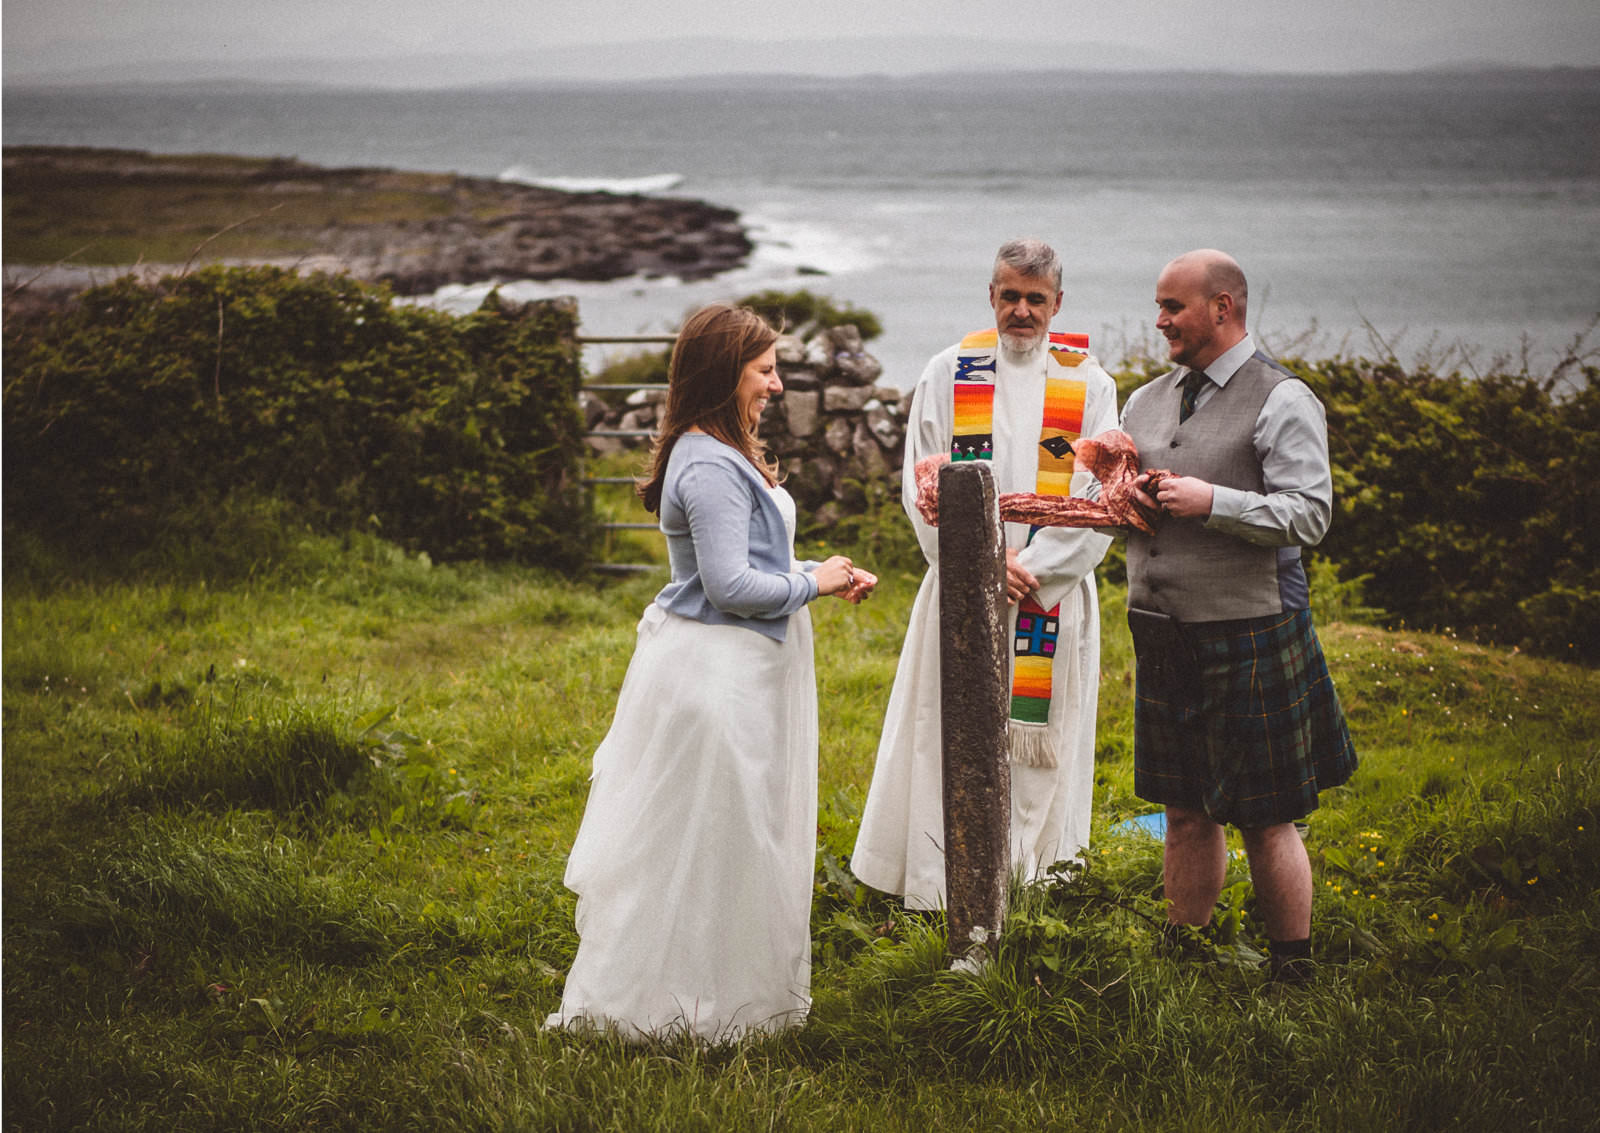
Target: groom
x=1256 y=731
x=1014 y=395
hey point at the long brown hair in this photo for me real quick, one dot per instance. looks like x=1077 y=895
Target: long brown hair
x=713 y=347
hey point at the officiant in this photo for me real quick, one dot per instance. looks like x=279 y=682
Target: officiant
x=1014 y=395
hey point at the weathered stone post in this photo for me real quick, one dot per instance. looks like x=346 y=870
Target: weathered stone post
x=975 y=703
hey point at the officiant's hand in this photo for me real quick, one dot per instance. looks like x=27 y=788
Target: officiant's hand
x=1019 y=579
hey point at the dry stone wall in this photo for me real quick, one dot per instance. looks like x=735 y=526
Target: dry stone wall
x=835 y=431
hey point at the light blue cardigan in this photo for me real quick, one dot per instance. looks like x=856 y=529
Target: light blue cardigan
x=727 y=543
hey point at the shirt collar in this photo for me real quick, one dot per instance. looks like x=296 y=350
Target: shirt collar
x=1227 y=364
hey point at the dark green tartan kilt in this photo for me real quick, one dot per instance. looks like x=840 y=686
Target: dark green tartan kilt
x=1261 y=734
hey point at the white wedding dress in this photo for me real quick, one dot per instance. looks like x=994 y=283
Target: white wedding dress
x=694 y=862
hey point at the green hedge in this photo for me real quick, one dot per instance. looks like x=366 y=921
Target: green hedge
x=803 y=312
x=457 y=436
x=1469 y=503
x=1463 y=503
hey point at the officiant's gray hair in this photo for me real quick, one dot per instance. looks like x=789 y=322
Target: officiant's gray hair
x=1030 y=257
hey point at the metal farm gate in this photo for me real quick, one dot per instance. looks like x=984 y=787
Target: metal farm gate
x=602 y=482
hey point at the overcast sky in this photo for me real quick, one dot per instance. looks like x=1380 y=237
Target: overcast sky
x=1297 y=35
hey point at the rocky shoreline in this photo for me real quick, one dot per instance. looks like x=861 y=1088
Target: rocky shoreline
x=415 y=232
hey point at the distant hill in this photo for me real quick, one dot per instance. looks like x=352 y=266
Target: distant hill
x=832 y=57
x=688 y=61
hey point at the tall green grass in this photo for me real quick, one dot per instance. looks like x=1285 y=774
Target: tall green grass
x=285 y=826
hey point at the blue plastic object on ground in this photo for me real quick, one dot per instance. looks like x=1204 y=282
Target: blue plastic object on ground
x=1153 y=825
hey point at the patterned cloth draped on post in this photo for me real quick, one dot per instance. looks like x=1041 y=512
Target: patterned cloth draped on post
x=1112 y=458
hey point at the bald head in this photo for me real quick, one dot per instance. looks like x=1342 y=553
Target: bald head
x=1201 y=296
x=1218 y=273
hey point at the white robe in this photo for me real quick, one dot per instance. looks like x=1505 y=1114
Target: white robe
x=693 y=865
x=900 y=845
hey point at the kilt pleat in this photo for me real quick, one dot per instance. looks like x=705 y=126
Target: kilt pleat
x=1264 y=733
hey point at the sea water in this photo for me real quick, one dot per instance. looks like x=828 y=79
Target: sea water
x=1448 y=216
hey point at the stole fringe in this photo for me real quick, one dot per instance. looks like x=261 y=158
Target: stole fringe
x=1030 y=744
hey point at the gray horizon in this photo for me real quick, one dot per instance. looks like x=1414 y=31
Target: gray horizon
x=418 y=43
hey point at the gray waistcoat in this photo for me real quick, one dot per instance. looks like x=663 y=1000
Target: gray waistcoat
x=1183 y=569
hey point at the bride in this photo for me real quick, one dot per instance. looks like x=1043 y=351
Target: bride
x=693 y=864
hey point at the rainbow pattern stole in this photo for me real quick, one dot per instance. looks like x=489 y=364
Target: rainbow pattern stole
x=973 y=435
x=1034 y=645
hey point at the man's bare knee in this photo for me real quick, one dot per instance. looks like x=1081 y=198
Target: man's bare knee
x=1185 y=823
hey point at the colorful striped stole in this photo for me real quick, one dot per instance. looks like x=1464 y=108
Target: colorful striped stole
x=1034 y=644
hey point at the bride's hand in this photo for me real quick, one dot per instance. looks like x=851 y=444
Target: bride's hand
x=864 y=583
x=835 y=576
x=861 y=586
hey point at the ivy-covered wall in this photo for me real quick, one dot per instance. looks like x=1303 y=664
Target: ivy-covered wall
x=458 y=436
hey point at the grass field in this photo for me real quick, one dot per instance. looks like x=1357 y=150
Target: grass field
x=160 y=210
x=283 y=851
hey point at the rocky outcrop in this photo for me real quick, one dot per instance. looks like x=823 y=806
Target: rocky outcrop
x=838 y=436
x=547 y=234
x=413 y=231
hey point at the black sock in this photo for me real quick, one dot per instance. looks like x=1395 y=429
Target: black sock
x=1183 y=941
x=1290 y=960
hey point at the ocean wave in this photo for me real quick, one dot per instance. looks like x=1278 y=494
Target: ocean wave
x=786 y=245
x=654 y=183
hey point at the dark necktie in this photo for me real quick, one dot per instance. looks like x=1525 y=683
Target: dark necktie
x=1191 y=390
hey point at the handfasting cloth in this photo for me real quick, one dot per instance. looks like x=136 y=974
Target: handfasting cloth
x=1034 y=644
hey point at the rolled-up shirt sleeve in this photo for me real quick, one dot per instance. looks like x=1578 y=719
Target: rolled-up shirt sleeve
x=1291 y=441
x=717 y=506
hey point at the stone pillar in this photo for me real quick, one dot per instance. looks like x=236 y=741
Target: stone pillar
x=976 y=703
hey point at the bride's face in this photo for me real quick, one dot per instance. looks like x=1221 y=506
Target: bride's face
x=757 y=383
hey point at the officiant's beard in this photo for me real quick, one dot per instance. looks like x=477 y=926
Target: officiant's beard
x=1020 y=343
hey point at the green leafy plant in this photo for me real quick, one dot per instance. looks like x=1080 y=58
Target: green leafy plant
x=803 y=313
x=1466 y=502
x=249 y=752
x=144 y=409
x=413 y=781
